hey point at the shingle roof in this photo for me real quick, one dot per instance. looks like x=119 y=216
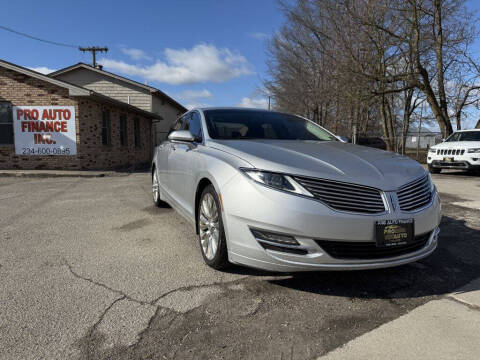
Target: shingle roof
x=152 y=89
x=75 y=90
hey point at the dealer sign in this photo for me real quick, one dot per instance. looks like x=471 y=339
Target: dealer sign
x=45 y=130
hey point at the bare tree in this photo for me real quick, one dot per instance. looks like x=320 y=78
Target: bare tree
x=368 y=63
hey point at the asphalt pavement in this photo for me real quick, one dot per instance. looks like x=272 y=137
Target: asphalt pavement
x=90 y=269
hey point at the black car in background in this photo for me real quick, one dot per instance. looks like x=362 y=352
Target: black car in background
x=374 y=142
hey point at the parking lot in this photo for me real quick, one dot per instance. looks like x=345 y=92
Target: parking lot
x=90 y=269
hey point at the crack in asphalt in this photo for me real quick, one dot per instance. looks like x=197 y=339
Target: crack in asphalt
x=124 y=296
x=142 y=333
x=193 y=287
x=116 y=291
x=104 y=313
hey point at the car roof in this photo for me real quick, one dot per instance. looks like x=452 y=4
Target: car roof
x=231 y=108
x=463 y=130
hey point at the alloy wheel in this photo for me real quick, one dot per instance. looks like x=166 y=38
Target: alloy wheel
x=155 y=191
x=209 y=226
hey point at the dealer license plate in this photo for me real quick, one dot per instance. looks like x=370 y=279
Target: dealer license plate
x=448 y=159
x=394 y=232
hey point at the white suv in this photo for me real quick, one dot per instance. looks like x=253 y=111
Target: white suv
x=461 y=150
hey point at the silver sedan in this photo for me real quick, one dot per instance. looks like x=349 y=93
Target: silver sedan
x=275 y=191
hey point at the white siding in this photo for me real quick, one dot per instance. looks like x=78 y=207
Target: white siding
x=109 y=86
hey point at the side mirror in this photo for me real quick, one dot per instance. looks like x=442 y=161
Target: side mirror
x=181 y=135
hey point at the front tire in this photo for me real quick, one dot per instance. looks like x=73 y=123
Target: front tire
x=213 y=244
x=434 y=170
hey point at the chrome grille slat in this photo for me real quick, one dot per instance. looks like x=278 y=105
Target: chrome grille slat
x=344 y=196
x=341 y=190
x=415 y=205
x=333 y=186
x=420 y=189
x=349 y=197
x=415 y=200
x=414 y=195
x=364 y=205
x=412 y=186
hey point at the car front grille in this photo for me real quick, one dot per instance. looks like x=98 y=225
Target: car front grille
x=369 y=250
x=344 y=196
x=415 y=194
x=450 y=151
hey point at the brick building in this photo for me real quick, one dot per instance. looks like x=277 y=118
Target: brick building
x=107 y=133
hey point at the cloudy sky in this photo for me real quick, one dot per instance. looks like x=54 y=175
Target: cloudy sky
x=201 y=52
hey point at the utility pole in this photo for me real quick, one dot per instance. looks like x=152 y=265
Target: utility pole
x=269 y=97
x=93 y=50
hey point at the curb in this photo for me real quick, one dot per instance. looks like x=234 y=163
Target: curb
x=59 y=175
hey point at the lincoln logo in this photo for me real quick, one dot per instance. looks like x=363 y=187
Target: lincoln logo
x=393 y=201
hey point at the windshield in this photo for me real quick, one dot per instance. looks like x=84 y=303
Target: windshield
x=465 y=136
x=251 y=124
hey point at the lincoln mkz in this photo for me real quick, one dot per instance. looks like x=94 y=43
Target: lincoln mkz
x=278 y=192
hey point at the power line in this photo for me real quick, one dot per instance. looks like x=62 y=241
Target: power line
x=37 y=38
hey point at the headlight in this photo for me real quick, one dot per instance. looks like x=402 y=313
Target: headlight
x=276 y=181
x=477 y=150
x=432 y=151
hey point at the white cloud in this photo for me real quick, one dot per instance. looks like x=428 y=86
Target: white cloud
x=202 y=63
x=258 y=35
x=259 y=103
x=136 y=54
x=42 y=69
x=194 y=94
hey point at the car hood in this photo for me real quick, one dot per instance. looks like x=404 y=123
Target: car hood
x=333 y=160
x=457 y=145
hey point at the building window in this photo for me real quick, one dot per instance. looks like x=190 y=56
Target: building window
x=106 y=128
x=137 y=133
x=6 y=123
x=123 y=130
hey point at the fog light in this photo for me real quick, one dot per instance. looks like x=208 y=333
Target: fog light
x=274 y=238
x=474 y=159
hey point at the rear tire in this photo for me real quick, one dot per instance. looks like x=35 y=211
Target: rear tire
x=434 y=170
x=211 y=234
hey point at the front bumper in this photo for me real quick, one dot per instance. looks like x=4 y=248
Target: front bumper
x=248 y=205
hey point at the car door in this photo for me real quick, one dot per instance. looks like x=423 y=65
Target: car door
x=164 y=154
x=176 y=166
x=192 y=161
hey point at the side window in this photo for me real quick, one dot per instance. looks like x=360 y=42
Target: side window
x=194 y=125
x=136 y=131
x=106 y=128
x=6 y=123
x=123 y=130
